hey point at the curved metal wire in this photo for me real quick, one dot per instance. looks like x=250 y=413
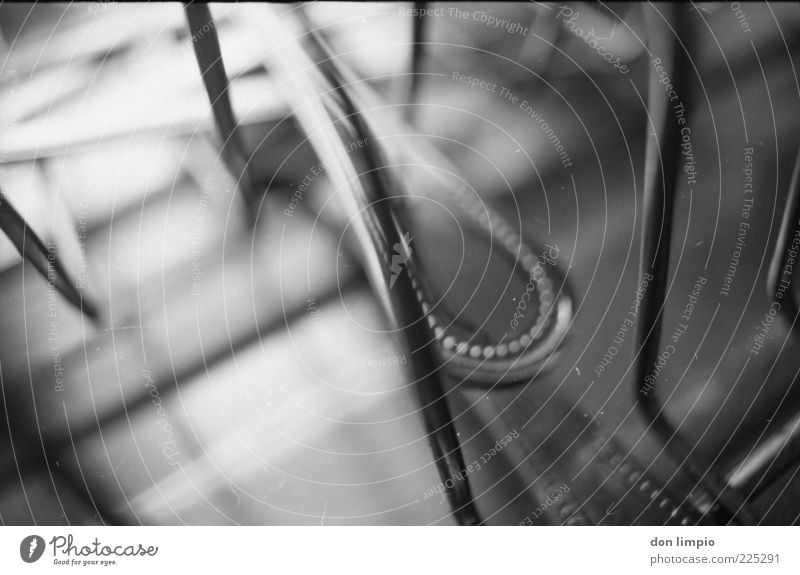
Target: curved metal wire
x=780 y=259
x=661 y=168
x=323 y=102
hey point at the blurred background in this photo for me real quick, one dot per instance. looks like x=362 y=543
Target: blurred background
x=242 y=371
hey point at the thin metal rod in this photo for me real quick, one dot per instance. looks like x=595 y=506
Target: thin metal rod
x=403 y=304
x=44 y=260
x=418 y=33
x=208 y=53
x=661 y=168
x=779 y=278
x=777 y=452
x=774 y=455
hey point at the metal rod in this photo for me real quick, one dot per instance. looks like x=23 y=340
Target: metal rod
x=382 y=230
x=208 y=53
x=44 y=259
x=773 y=456
x=776 y=452
x=661 y=168
x=418 y=29
x=777 y=284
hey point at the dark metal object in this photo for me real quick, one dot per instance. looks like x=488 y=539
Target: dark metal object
x=775 y=454
x=384 y=231
x=661 y=168
x=44 y=260
x=778 y=267
x=212 y=68
x=778 y=451
x=418 y=26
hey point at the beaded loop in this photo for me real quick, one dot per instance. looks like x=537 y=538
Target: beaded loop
x=523 y=255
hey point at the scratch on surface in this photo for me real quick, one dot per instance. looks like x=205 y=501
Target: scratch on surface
x=123 y=327
x=233 y=488
x=116 y=465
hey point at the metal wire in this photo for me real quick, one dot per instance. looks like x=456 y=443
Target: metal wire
x=208 y=53
x=775 y=284
x=44 y=259
x=331 y=105
x=418 y=34
x=661 y=168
